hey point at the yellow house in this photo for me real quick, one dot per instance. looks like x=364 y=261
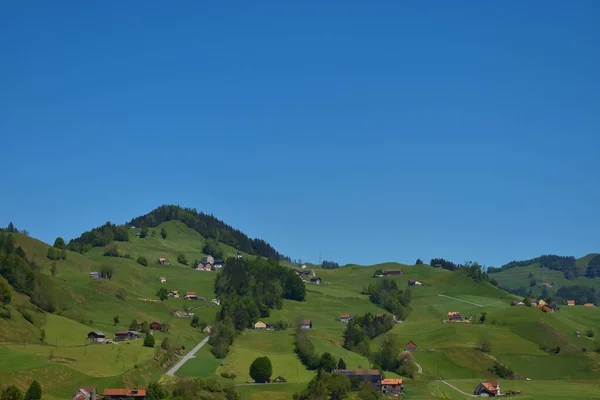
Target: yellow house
x=260 y=325
x=541 y=303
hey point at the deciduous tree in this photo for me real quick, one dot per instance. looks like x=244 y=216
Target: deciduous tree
x=162 y=294
x=163 y=233
x=261 y=369
x=149 y=340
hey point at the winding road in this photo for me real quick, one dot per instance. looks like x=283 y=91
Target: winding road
x=464 y=301
x=189 y=355
x=458 y=390
x=419 y=368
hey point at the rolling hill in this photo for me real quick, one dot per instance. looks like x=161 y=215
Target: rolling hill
x=519 y=337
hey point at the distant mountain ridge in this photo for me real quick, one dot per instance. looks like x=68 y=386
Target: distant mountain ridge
x=588 y=266
x=207 y=225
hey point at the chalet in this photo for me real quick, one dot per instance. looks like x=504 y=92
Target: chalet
x=162 y=279
x=410 y=346
x=345 y=318
x=164 y=261
x=394 y=272
x=315 y=280
x=218 y=265
x=305 y=324
x=191 y=296
x=121 y=394
x=208 y=260
x=546 y=308
x=577 y=333
x=370 y=376
x=570 y=302
x=589 y=305
x=391 y=387
x=260 y=325
x=455 y=316
x=129 y=335
x=86 y=393
x=205 y=267
x=488 y=388
x=412 y=282
x=96 y=336
x=94 y=275
x=157 y=326
x=174 y=294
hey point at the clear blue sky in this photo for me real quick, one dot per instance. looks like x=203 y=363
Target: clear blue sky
x=364 y=132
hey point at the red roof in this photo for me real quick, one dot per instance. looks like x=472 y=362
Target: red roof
x=345 y=316
x=571 y=302
x=492 y=386
x=411 y=345
x=391 y=382
x=304 y=322
x=191 y=293
x=125 y=392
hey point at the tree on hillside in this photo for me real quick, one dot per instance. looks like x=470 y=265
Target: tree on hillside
x=11 y=227
x=53 y=268
x=165 y=345
x=482 y=318
x=12 y=393
x=142 y=261
x=162 y=294
x=182 y=259
x=211 y=247
x=149 y=340
x=53 y=253
x=327 y=363
x=341 y=364
x=5 y=293
x=59 y=243
x=144 y=232
x=155 y=392
x=116 y=320
x=195 y=322
x=34 y=392
x=261 y=369
x=163 y=233
x=419 y=262
x=107 y=272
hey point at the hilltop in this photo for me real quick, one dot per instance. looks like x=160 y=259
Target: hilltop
x=53 y=346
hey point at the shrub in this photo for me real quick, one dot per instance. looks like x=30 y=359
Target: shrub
x=589 y=333
x=142 y=261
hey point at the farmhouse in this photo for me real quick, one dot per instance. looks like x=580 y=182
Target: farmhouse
x=546 y=308
x=129 y=335
x=411 y=346
x=191 y=296
x=577 y=333
x=391 y=387
x=345 y=318
x=94 y=275
x=455 y=316
x=174 y=294
x=394 y=272
x=570 y=302
x=157 y=326
x=86 y=393
x=541 y=303
x=489 y=388
x=370 y=376
x=208 y=260
x=95 y=336
x=305 y=324
x=164 y=261
x=162 y=279
x=119 y=394
x=218 y=265
x=315 y=280
x=412 y=282
x=260 y=325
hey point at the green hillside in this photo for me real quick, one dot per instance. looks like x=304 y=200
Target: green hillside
x=519 y=337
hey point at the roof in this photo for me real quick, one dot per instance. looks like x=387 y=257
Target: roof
x=97 y=333
x=451 y=313
x=121 y=333
x=304 y=322
x=411 y=344
x=588 y=305
x=569 y=302
x=162 y=259
x=345 y=316
x=125 y=392
x=491 y=385
x=391 y=381
x=367 y=372
x=175 y=291
x=191 y=293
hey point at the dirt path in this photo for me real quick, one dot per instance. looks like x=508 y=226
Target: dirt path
x=419 y=368
x=464 y=301
x=458 y=390
x=189 y=355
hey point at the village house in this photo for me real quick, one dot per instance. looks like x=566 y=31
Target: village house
x=570 y=302
x=157 y=326
x=94 y=275
x=86 y=393
x=546 y=308
x=97 y=337
x=410 y=346
x=218 y=265
x=489 y=388
x=412 y=282
x=541 y=303
x=122 y=394
x=164 y=261
x=260 y=325
x=129 y=335
x=370 y=376
x=394 y=272
x=174 y=294
x=204 y=267
x=577 y=333
x=191 y=296
x=345 y=318
x=455 y=316
x=391 y=387
x=208 y=260
x=162 y=279
x=305 y=324
x=315 y=280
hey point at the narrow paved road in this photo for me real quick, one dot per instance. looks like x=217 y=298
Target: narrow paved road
x=185 y=358
x=458 y=390
x=464 y=301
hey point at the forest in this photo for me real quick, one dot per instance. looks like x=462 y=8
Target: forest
x=361 y=329
x=386 y=294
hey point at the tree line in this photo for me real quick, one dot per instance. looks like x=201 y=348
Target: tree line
x=209 y=227
x=565 y=264
x=248 y=290
x=329 y=265
x=361 y=329
x=99 y=237
x=386 y=294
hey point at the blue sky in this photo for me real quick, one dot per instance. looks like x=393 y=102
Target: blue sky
x=362 y=132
